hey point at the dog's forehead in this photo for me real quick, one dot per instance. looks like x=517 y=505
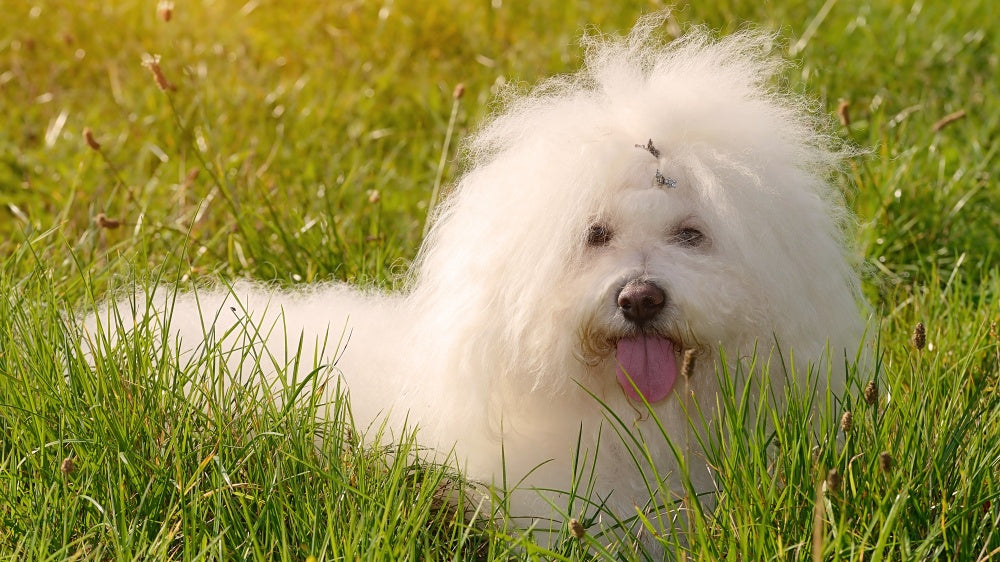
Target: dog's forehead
x=636 y=207
x=620 y=163
x=643 y=202
x=630 y=179
x=656 y=176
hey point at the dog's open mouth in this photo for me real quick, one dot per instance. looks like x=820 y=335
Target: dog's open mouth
x=647 y=366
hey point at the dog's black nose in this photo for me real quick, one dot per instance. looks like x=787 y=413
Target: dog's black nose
x=641 y=301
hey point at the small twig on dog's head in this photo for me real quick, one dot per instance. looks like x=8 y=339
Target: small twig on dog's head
x=648 y=147
x=660 y=179
x=664 y=181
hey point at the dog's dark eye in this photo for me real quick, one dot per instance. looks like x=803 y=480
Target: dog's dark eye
x=688 y=237
x=598 y=235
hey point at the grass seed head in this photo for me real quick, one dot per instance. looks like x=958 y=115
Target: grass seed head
x=919 y=336
x=103 y=221
x=88 y=136
x=577 y=529
x=847 y=421
x=67 y=466
x=152 y=62
x=948 y=120
x=191 y=176
x=885 y=461
x=166 y=9
x=871 y=393
x=843 y=110
x=687 y=366
x=833 y=480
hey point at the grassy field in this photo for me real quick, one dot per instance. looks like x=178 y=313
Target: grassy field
x=295 y=141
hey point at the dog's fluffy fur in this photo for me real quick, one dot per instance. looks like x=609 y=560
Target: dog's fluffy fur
x=675 y=175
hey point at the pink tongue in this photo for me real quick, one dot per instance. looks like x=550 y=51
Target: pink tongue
x=650 y=363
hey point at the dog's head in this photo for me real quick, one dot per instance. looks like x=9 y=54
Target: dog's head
x=666 y=198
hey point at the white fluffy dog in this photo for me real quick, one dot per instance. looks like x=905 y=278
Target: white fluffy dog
x=666 y=198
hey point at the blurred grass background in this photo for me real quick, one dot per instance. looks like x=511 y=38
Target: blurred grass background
x=302 y=139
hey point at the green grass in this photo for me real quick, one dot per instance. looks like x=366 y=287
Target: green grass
x=302 y=143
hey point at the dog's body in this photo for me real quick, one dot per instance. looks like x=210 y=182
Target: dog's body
x=663 y=200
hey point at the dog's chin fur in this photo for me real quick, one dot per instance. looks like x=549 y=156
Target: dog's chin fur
x=502 y=346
